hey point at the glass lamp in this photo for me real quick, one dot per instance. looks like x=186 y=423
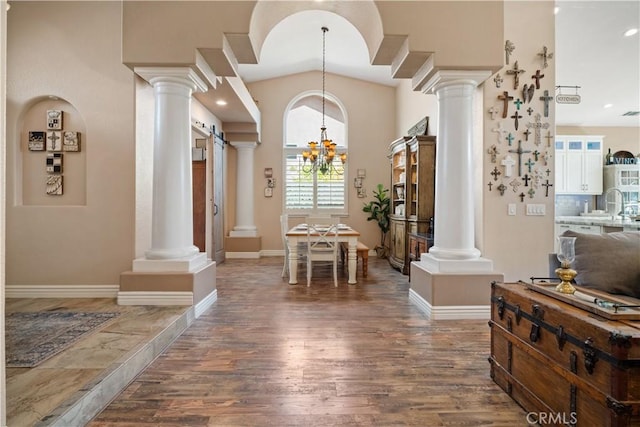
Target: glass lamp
x=566 y=255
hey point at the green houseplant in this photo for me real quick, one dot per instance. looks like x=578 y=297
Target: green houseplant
x=379 y=209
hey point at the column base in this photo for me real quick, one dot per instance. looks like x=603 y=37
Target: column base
x=185 y=265
x=243 y=233
x=438 y=265
x=242 y=247
x=452 y=295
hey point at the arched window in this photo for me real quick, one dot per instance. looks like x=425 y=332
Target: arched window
x=309 y=189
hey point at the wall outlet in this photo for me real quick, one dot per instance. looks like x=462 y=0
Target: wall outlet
x=511 y=209
x=536 y=209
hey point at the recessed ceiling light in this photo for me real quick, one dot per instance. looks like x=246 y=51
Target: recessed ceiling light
x=608 y=105
x=556 y=10
x=221 y=102
x=630 y=32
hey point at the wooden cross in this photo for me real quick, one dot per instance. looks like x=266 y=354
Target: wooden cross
x=490 y=184
x=536 y=127
x=498 y=80
x=505 y=99
x=545 y=56
x=526 y=178
x=530 y=164
x=515 y=71
x=546 y=98
x=508 y=48
x=493 y=151
x=537 y=76
x=516 y=116
x=493 y=111
x=547 y=185
x=495 y=173
x=499 y=131
x=529 y=110
x=549 y=138
x=501 y=189
x=531 y=193
x=520 y=152
x=526 y=134
x=518 y=103
x=510 y=138
x=508 y=163
x=536 y=153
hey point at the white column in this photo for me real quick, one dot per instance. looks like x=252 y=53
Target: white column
x=454 y=235
x=245 y=226
x=172 y=216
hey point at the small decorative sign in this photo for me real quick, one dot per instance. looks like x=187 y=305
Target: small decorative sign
x=54 y=119
x=37 y=140
x=568 y=99
x=420 y=128
x=71 y=141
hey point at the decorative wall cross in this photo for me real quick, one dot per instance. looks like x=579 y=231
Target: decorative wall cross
x=546 y=98
x=537 y=76
x=545 y=55
x=493 y=111
x=509 y=47
x=537 y=177
x=501 y=189
x=515 y=71
x=510 y=138
x=498 y=80
x=521 y=195
x=527 y=92
x=515 y=183
x=549 y=138
x=526 y=178
x=536 y=154
x=536 y=127
x=490 y=184
x=518 y=103
x=505 y=101
x=526 y=134
x=493 y=151
x=508 y=163
x=547 y=185
x=515 y=118
x=529 y=110
x=500 y=131
x=52 y=141
x=496 y=173
x=530 y=164
x=519 y=152
x=545 y=158
x=531 y=193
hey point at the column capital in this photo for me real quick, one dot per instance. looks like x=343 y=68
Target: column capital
x=182 y=75
x=243 y=144
x=442 y=78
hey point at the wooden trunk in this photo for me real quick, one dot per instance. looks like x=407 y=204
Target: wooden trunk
x=564 y=364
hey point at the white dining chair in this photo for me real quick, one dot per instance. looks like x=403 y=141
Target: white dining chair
x=322 y=245
x=302 y=247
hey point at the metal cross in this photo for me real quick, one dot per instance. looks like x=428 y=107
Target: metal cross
x=515 y=183
x=505 y=99
x=515 y=71
x=493 y=151
x=547 y=185
x=537 y=76
x=536 y=153
x=531 y=193
x=490 y=184
x=526 y=134
x=510 y=138
x=498 y=80
x=520 y=152
x=529 y=110
x=501 y=189
x=495 y=173
x=508 y=48
x=530 y=164
x=493 y=111
x=508 y=163
x=499 y=131
x=518 y=103
x=545 y=56
x=516 y=116
x=536 y=127
x=521 y=195
x=546 y=98
x=526 y=178
x=548 y=172
x=549 y=138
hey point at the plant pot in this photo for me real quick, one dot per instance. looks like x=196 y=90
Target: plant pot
x=381 y=252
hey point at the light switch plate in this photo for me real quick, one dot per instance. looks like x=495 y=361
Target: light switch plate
x=511 y=209
x=536 y=209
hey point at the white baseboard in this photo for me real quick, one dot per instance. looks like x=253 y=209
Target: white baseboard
x=450 y=312
x=155 y=298
x=61 y=291
x=272 y=252
x=207 y=302
x=242 y=255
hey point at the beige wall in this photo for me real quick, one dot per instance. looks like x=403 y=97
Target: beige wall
x=72 y=51
x=371 y=125
x=412 y=106
x=615 y=138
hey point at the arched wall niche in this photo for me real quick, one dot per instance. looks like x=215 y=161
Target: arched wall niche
x=46 y=158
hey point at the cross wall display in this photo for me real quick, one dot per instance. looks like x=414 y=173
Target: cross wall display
x=56 y=141
x=520 y=157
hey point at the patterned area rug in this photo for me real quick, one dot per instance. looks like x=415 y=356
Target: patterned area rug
x=31 y=338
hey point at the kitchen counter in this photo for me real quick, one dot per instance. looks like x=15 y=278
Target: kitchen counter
x=627 y=224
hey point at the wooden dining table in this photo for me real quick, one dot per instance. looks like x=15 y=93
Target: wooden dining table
x=298 y=234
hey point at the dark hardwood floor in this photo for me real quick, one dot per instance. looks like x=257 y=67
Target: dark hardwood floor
x=271 y=354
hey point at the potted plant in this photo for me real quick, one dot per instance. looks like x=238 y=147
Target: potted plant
x=379 y=209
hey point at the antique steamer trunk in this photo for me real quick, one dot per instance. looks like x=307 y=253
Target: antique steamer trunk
x=562 y=363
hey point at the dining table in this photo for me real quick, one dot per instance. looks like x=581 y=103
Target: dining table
x=298 y=234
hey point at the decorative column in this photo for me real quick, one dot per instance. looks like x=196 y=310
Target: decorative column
x=172 y=215
x=245 y=225
x=454 y=235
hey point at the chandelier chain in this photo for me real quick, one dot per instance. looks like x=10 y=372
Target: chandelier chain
x=324 y=36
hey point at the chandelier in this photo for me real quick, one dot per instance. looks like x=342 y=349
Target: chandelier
x=321 y=154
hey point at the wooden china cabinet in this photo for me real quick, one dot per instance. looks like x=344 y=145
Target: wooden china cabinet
x=413 y=167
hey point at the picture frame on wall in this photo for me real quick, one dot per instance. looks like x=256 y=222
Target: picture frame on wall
x=36 y=140
x=54 y=141
x=71 y=141
x=54 y=119
x=54 y=185
x=54 y=162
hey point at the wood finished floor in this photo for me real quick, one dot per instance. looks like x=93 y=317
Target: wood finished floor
x=271 y=354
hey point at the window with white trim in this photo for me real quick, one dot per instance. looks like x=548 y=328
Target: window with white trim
x=307 y=189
